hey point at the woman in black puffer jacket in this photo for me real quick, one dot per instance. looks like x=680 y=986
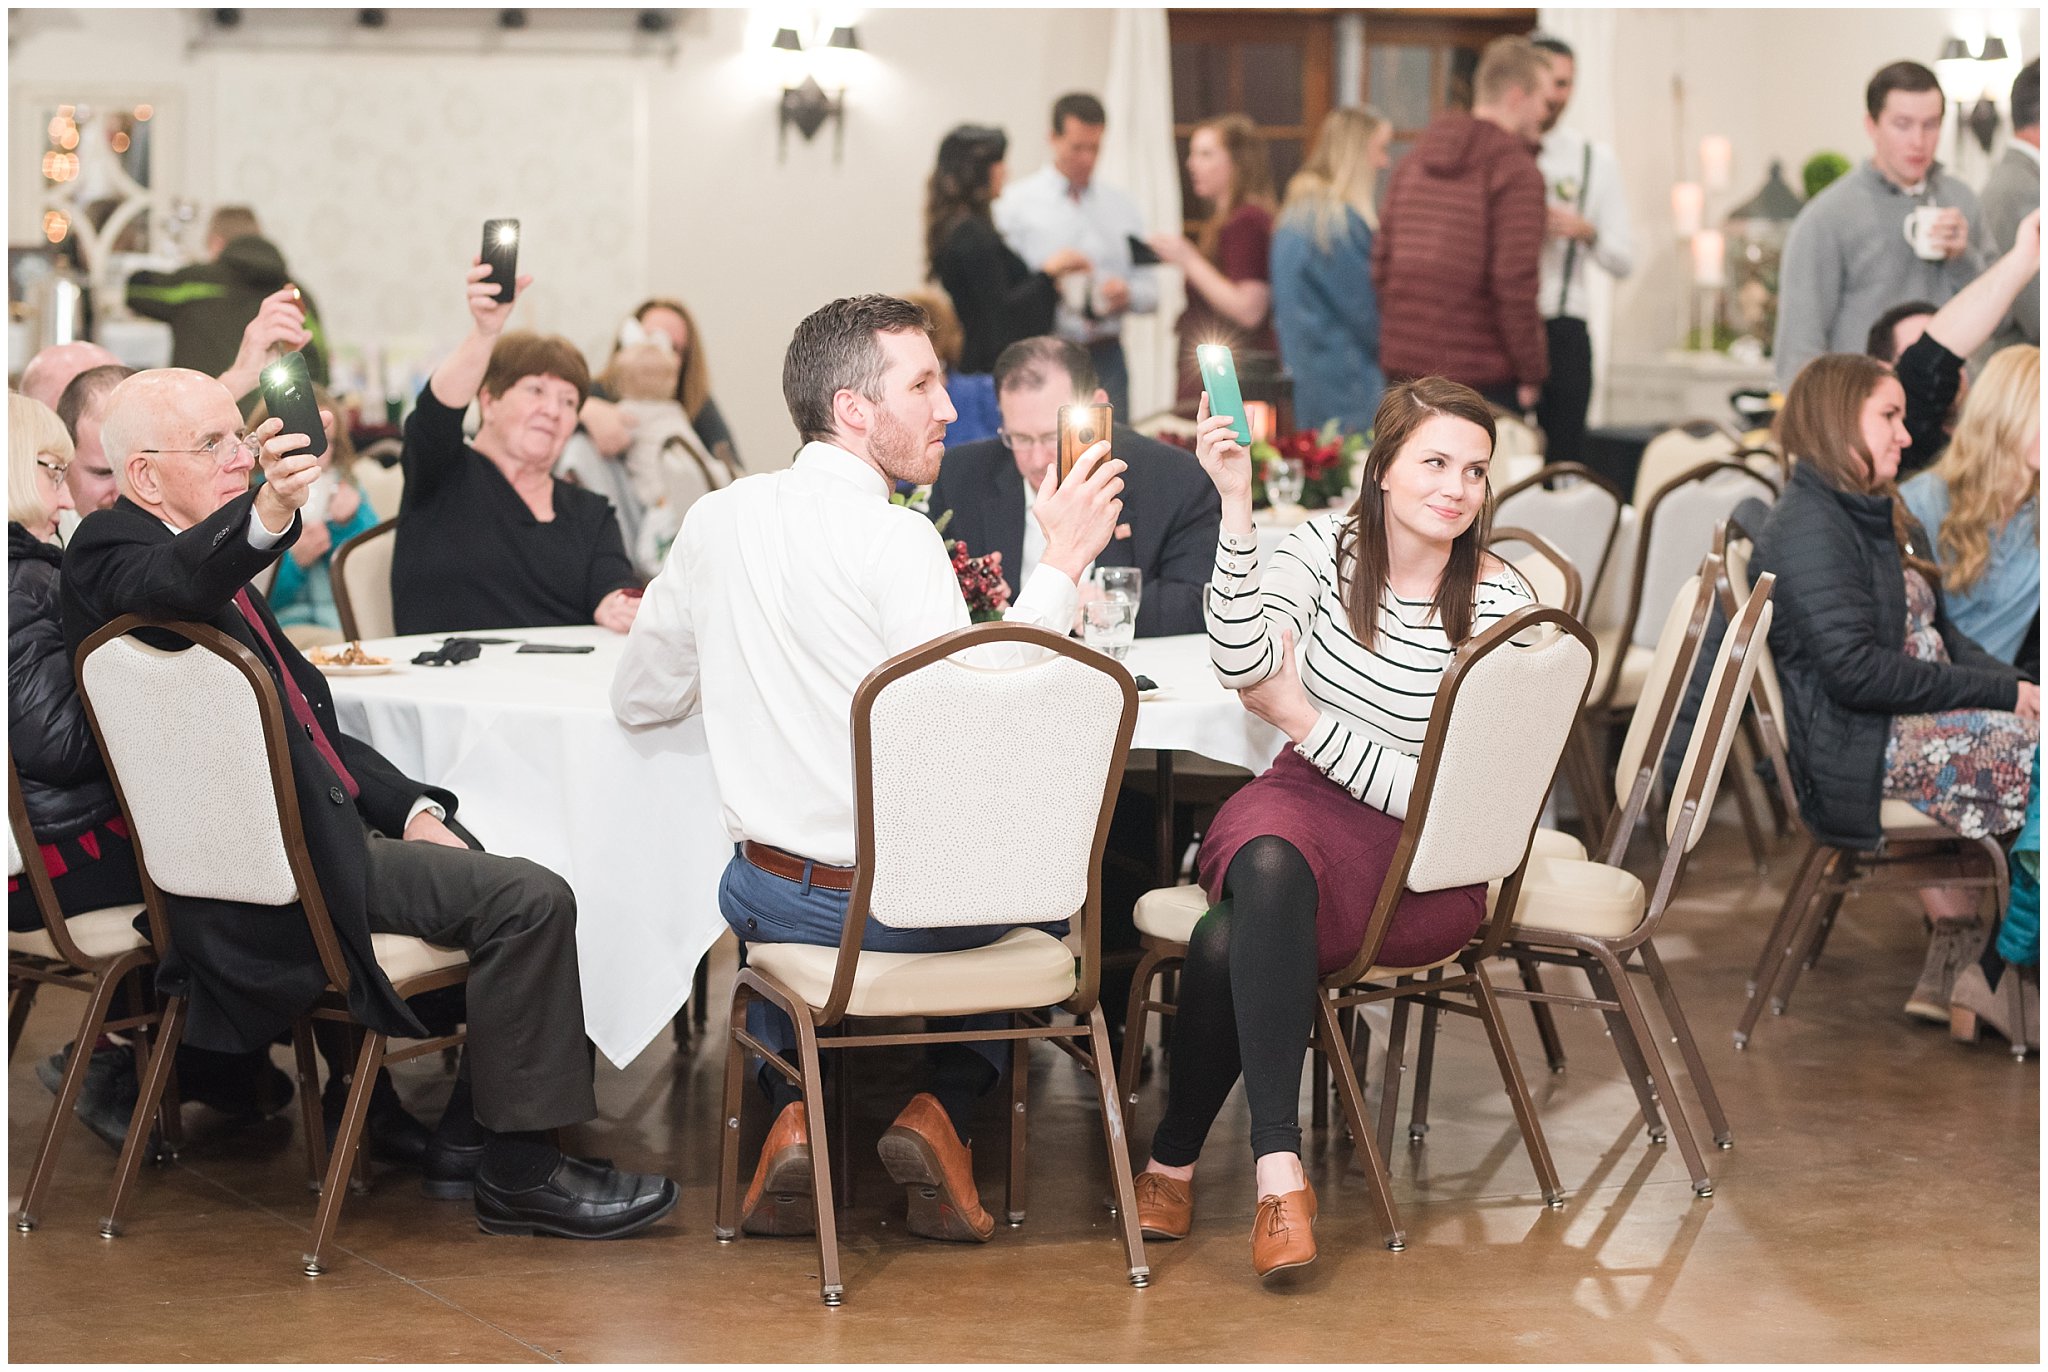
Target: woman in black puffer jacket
x=64 y=785
x=1884 y=696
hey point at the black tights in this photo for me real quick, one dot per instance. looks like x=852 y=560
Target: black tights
x=1247 y=1005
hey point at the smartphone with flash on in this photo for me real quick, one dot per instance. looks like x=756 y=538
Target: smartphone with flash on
x=288 y=395
x=1219 y=379
x=1081 y=427
x=501 y=254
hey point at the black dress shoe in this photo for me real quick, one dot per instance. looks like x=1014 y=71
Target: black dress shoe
x=578 y=1200
x=391 y=1135
x=448 y=1172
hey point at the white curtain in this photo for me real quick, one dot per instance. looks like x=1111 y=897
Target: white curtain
x=1590 y=32
x=1138 y=157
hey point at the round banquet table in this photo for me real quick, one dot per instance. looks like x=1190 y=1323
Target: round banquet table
x=631 y=817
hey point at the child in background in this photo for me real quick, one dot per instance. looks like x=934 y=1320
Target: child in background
x=302 y=596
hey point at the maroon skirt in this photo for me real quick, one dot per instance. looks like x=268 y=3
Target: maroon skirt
x=1349 y=846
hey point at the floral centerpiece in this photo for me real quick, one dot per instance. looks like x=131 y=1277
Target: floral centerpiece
x=981 y=578
x=1330 y=461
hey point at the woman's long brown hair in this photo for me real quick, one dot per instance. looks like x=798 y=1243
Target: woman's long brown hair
x=1822 y=425
x=1363 y=538
x=1251 y=176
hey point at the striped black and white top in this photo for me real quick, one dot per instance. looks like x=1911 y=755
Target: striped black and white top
x=1374 y=702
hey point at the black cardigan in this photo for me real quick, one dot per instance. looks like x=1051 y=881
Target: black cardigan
x=63 y=782
x=1838 y=632
x=998 y=298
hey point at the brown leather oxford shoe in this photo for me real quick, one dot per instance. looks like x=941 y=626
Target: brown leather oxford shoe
x=1166 y=1205
x=936 y=1170
x=1283 y=1231
x=779 y=1200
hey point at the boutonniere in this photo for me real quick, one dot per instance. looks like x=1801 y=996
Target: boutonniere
x=1567 y=190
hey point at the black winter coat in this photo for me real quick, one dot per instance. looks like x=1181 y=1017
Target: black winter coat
x=1839 y=633
x=250 y=970
x=63 y=783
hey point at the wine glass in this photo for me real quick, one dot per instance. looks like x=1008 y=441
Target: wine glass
x=1108 y=626
x=1285 y=478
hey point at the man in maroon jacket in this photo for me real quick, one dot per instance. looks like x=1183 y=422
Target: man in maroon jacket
x=1456 y=258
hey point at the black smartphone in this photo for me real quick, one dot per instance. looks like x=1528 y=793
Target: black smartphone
x=1081 y=427
x=1141 y=252
x=555 y=648
x=288 y=394
x=501 y=254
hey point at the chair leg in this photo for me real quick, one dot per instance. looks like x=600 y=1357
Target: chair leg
x=1318 y=1091
x=1390 y=1074
x=1627 y=1049
x=1330 y=1037
x=1646 y=1043
x=725 y=1223
x=1136 y=1022
x=1830 y=907
x=1020 y=1089
x=170 y=1031
x=21 y=998
x=1114 y=1140
x=1546 y=1023
x=60 y=1121
x=842 y=1133
x=830 y=1287
x=308 y=1066
x=1798 y=951
x=1778 y=944
x=1688 y=1047
x=170 y=1119
x=334 y=1191
x=1425 y=1063
x=1518 y=1092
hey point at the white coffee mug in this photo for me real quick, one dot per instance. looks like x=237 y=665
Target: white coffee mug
x=1919 y=229
x=1074 y=291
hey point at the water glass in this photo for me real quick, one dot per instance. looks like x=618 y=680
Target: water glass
x=1121 y=583
x=1107 y=626
x=1285 y=478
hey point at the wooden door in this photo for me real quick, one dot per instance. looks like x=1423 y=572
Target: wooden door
x=1273 y=67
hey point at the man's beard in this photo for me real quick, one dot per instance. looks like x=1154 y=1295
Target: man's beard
x=895 y=448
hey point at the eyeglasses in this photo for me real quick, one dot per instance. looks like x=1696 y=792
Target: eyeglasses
x=222 y=450
x=1016 y=441
x=55 y=469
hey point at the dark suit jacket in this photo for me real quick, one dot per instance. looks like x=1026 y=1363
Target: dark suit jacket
x=1169 y=502
x=249 y=970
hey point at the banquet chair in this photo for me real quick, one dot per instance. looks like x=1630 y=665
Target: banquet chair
x=1514 y=436
x=1574 y=507
x=1677 y=527
x=1484 y=771
x=195 y=743
x=383 y=486
x=95 y=952
x=1032 y=753
x=1599 y=917
x=362 y=583
x=1681 y=448
x=1550 y=574
x=1915 y=850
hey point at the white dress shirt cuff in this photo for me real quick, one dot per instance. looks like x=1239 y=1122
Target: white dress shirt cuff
x=1049 y=599
x=261 y=537
x=423 y=806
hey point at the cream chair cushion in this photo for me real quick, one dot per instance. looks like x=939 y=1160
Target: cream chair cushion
x=1024 y=968
x=1170 y=912
x=98 y=933
x=1550 y=843
x=403 y=957
x=1575 y=897
x=1897 y=818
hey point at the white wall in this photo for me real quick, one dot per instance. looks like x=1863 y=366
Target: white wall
x=633 y=176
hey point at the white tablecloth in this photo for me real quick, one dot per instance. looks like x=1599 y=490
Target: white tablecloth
x=631 y=818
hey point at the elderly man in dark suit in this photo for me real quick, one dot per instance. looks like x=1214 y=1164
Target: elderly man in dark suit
x=1171 y=511
x=181 y=543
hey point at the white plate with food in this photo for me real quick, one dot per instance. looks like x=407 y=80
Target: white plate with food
x=349 y=659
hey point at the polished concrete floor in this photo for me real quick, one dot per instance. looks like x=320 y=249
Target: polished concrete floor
x=1881 y=1203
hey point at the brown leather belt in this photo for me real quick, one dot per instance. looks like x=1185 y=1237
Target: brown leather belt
x=775 y=862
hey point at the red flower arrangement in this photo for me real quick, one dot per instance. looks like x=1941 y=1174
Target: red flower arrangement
x=981 y=582
x=1326 y=457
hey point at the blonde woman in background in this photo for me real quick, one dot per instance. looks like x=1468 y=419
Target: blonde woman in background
x=1324 y=308
x=1227 y=264
x=1981 y=509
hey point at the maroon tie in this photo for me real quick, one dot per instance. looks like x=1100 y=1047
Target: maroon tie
x=302 y=709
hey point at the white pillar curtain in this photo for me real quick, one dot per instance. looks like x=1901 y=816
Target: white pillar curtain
x=1590 y=33
x=1139 y=158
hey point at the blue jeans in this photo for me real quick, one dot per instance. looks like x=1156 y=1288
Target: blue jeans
x=764 y=908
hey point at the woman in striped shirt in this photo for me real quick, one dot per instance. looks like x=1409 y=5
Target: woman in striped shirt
x=1382 y=595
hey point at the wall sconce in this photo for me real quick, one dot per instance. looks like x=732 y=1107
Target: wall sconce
x=809 y=106
x=1966 y=79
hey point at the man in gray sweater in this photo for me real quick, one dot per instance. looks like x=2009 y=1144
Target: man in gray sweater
x=1848 y=258
x=2014 y=188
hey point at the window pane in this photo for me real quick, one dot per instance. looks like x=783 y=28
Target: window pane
x=1285 y=155
x=1397 y=83
x=1396 y=150
x=1272 y=82
x=1201 y=81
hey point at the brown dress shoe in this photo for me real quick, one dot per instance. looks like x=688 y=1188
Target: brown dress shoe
x=1166 y=1205
x=1283 y=1231
x=779 y=1199
x=936 y=1170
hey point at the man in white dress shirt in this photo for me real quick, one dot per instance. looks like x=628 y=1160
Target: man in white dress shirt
x=1587 y=218
x=1062 y=206
x=779 y=595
